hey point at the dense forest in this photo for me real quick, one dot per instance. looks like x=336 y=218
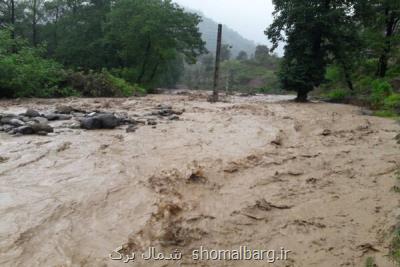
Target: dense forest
x=349 y=49
x=94 y=48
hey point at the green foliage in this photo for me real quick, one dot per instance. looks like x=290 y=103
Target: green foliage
x=338 y=95
x=315 y=32
x=333 y=74
x=124 y=87
x=370 y=262
x=394 y=253
x=380 y=91
x=25 y=73
x=102 y=84
x=150 y=36
x=392 y=103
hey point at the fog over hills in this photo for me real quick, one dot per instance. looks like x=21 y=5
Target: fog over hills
x=209 y=28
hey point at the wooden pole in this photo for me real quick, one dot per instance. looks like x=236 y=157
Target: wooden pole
x=217 y=63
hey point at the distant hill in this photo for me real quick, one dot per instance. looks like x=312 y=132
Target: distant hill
x=209 y=28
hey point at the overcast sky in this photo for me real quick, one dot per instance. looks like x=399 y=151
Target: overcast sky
x=248 y=17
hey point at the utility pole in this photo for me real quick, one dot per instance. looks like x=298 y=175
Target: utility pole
x=34 y=22
x=214 y=97
x=12 y=19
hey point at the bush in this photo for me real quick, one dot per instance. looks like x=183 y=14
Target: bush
x=338 y=96
x=380 y=91
x=24 y=72
x=102 y=84
x=124 y=87
x=392 y=103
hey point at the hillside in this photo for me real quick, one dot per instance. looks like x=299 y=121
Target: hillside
x=209 y=27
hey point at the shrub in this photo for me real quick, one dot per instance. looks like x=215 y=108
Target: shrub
x=333 y=74
x=124 y=87
x=338 y=96
x=24 y=72
x=392 y=103
x=102 y=84
x=380 y=91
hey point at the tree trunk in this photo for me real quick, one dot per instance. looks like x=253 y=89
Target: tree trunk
x=391 y=23
x=56 y=28
x=154 y=71
x=347 y=77
x=144 y=65
x=302 y=96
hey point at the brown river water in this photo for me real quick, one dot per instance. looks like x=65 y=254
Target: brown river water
x=260 y=171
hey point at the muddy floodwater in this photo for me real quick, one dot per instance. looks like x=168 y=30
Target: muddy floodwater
x=263 y=172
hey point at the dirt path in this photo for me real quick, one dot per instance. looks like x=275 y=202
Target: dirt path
x=315 y=179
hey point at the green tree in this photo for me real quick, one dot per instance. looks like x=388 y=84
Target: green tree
x=149 y=34
x=309 y=29
x=381 y=21
x=242 y=56
x=226 y=52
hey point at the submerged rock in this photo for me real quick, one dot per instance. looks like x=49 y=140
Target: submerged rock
x=41 y=127
x=56 y=117
x=27 y=129
x=131 y=129
x=151 y=122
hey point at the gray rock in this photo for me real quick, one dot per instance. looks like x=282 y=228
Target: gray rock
x=41 y=127
x=32 y=113
x=397 y=138
x=56 y=117
x=42 y=133
x=16 y=122
x=7 y=128
x=151 y=122
x=326 y=132
x=100 y=121
x=74 y=125
x=27 y=129
x=108 y=121
x=174 y=118
x=6 y=119
x=24 y=118
x=90 y=124
x=40 y=120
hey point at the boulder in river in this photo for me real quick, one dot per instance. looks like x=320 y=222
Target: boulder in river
x=100 y=121
x=16 y=122
x=32 y=113
x=41 y=127
x=26 y=129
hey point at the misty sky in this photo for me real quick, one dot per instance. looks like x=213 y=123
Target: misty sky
x=248 y=17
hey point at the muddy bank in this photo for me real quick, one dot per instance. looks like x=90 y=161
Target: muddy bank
x=315 y=179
